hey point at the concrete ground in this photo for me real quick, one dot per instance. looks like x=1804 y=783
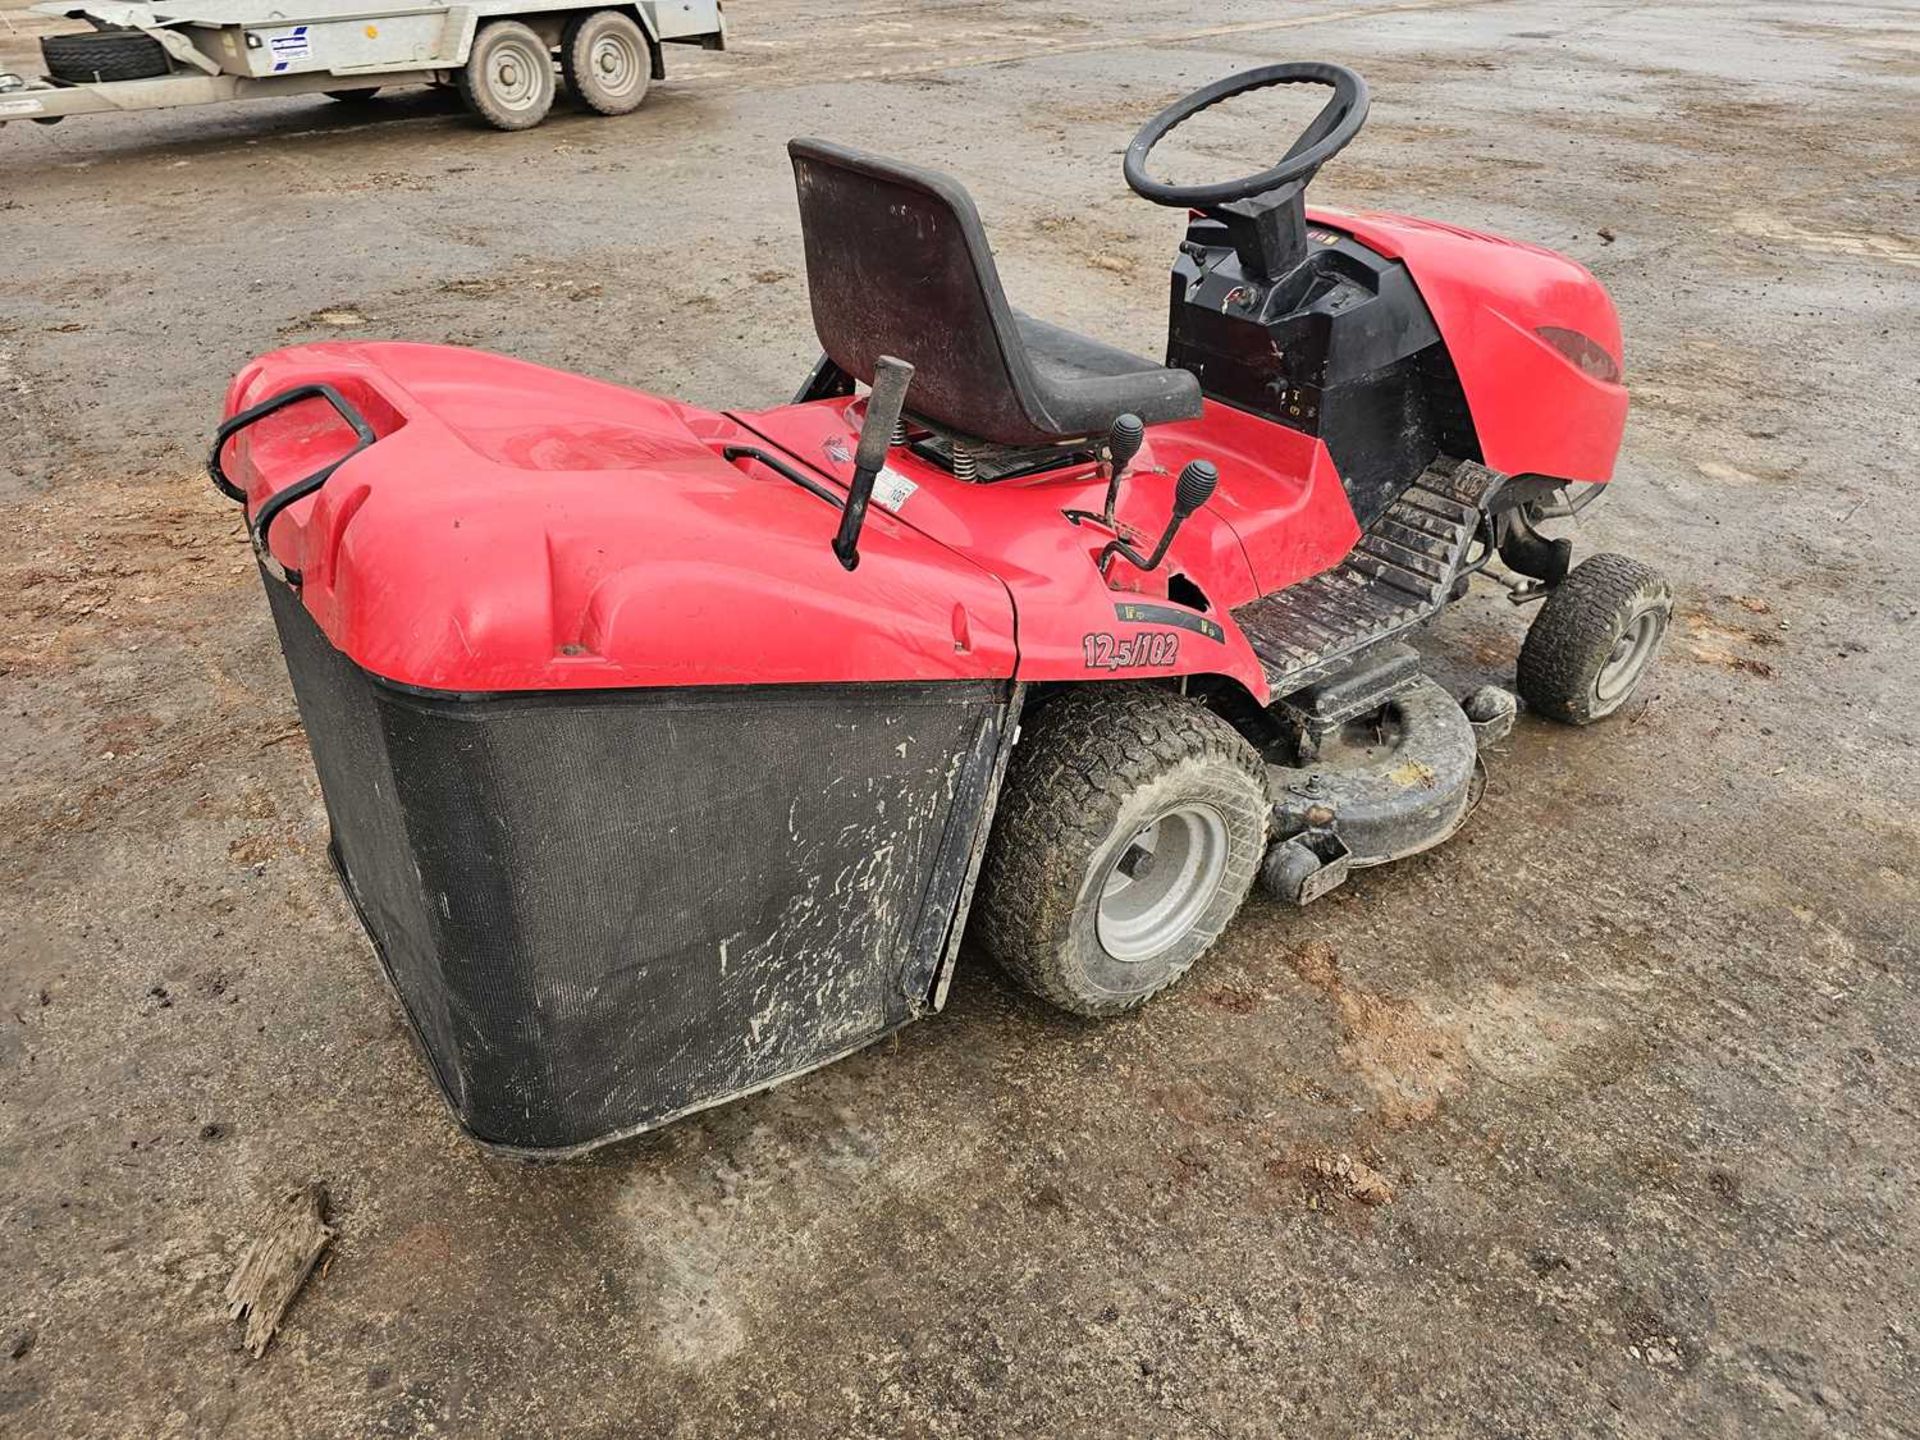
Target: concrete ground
x=1635 y=1055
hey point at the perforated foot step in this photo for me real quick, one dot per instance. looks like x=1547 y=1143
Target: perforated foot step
x=1400 y=573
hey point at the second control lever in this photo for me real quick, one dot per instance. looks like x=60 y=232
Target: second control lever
x=1192 y=490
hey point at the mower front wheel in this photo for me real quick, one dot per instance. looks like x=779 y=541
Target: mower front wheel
x=1594 y=639
x=1131 y=827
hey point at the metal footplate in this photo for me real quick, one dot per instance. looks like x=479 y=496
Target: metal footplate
x=1400 y=573
x=1386 y=758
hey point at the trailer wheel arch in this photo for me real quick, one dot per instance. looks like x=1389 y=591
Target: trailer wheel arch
x=657 y=67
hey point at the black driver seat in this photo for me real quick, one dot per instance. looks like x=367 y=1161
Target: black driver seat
x=898 y=264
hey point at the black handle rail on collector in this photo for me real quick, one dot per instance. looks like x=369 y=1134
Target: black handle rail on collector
x=300 y=489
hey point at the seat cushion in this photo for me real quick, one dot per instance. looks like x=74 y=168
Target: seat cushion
x=1084 y=383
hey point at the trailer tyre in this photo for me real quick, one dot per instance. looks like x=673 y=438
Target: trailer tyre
x=508 y=78
x=1594 y=639
x=1131 y=826
x=606 y=60
x=102 y=55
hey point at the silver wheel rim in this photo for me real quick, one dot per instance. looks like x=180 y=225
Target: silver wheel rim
x=1161 y=882
x=513 y=75
x=614 y=65
x=1628 y=658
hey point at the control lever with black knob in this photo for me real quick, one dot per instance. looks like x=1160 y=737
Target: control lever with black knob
x=1192 y=490
x=1124 y=438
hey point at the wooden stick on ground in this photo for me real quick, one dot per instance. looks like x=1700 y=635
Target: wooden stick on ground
x=293 y=1230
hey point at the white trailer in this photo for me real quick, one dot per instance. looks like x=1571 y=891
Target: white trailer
x=501 y=54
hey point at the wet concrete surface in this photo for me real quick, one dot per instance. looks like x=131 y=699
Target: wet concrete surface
x=1634 y=1055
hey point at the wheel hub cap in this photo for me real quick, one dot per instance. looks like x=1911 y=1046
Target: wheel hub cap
x=615 y=64
x=1161 y=883
x=1628 y=658
x=516 y=82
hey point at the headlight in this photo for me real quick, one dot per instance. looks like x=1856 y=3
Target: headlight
x=1588 y=354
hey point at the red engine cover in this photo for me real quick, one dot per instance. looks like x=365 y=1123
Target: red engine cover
x=1278 y=516
x=1535 y=411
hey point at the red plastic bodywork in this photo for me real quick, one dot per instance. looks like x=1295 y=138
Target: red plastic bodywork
x=1271 y=523
x=515 y=528
x=1535 y=412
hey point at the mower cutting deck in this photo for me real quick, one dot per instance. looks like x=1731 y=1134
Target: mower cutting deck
x=670 y=753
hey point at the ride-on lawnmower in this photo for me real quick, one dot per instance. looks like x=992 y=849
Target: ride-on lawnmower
x=663 y=748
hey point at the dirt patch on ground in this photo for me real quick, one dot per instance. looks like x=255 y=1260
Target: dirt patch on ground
x=1411 y=1062
x=1343 y=1177
x=1714 y=642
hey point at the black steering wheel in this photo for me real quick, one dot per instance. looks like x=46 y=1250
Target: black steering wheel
x=1336 y=124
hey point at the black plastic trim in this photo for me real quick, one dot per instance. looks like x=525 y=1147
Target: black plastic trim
x=1138 y=612
x=782 y=467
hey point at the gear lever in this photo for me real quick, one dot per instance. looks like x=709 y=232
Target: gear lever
x=1192 y=490
x=1123 y=443
x=877 y=429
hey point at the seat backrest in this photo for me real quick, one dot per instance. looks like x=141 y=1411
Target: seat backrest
x=898 y=264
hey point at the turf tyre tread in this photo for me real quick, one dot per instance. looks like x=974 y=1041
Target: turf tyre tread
x=1572 y=636
x=1082 y=757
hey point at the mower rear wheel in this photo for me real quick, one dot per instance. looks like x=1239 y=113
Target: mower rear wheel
x=1594 y=639
x=508 y=78
x=1132 y=825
